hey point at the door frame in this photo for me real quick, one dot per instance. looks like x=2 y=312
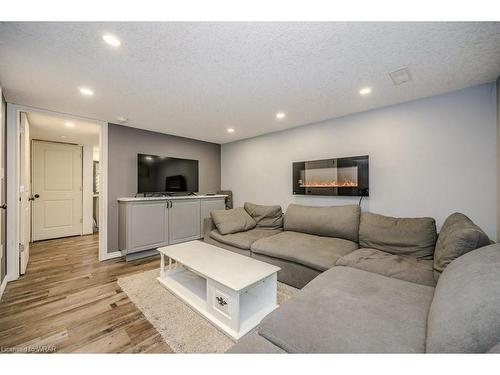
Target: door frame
x=13 y=167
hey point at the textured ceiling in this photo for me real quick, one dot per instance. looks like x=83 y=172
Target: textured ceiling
x=52 y=128
x=197 y=79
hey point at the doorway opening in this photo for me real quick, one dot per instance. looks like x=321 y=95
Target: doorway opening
x=58 y=183
x=59 y=190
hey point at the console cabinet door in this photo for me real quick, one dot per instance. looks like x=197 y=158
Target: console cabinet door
x=184 y=220
x=147 y=226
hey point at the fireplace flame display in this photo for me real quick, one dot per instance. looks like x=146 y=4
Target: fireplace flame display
x=318 y=184
x=341 y=176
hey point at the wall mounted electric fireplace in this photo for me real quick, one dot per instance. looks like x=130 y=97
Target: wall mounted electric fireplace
x=341 y=176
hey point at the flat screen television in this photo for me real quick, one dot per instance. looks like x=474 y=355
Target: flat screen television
x=162 y=174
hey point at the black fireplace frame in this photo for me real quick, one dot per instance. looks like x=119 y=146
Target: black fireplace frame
x=361 y=190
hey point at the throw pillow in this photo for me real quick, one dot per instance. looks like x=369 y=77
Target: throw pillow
x=458 y=236
x=232 y=221
x=266 y=217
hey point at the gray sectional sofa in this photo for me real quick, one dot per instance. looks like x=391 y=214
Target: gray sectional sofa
x=303 y=243
x=370 y=283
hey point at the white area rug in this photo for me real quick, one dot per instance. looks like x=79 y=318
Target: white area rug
x=182 y=329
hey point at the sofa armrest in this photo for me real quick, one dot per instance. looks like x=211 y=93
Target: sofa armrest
x=208 y=226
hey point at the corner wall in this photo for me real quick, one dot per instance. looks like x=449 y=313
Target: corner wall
x=3 y=218
x=428 y=157
x=124 y=143
x=498 y=159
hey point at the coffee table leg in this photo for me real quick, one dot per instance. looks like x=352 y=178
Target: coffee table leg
x=162 y=266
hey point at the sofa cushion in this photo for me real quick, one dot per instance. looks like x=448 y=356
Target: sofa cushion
x=414 y=237
x=404 y=268
x=243 y=240
x=290 y=273
x=254 y=343
x=232 y=221
x=465 y=313
x=266 y=217
x=336 y=221
x=319 y=253
x=345 y=310
x=458 y=236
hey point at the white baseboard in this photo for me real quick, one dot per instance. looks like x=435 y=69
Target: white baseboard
x=3 y=286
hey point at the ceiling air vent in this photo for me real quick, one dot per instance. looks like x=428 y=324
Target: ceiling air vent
x=400 y=76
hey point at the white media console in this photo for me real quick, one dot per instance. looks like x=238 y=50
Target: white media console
x=152 y=222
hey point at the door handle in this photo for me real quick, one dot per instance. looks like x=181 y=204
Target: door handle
x=36 y=196
x=3 y=206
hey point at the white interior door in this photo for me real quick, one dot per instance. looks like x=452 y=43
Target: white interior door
x=57 y=190
x=24 y=194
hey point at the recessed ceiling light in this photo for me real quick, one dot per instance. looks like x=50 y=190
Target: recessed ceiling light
x=70 y=125
x=86 y=91
x=63 y=136
x=111 y=40
x=280 y=115
x=365 y=91
x=230 y=130
x=122 y=120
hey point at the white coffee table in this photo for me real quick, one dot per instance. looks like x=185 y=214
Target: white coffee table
x=232 y=291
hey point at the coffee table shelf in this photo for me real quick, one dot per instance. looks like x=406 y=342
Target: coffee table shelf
x=187 y=286
x=231 y=291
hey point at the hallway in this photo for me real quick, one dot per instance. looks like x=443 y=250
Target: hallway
x=68 y=301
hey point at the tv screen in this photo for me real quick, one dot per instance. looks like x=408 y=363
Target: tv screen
x=161 y=174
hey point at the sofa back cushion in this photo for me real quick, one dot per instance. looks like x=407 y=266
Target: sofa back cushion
x=334 y=221
x=414 y=237
x=266 y=217
x=458 y=236
x=465 y=312
x=232 y=221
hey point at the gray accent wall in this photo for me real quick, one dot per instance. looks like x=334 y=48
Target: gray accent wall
x=428 y=157
x=124 y=143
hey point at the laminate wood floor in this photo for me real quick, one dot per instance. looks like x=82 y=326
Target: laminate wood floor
x=68 y=301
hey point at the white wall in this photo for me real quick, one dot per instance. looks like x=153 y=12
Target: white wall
x=429 y=157
x=25 y=184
